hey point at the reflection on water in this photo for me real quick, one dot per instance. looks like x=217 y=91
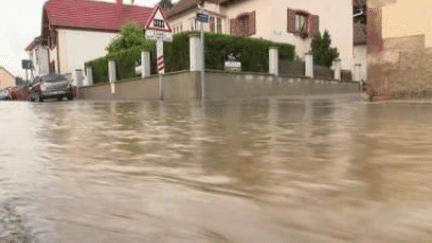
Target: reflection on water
x=279 y=170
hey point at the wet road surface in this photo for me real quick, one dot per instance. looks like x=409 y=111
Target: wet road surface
x=280 y=170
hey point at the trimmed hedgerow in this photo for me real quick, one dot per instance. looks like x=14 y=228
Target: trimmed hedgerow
x=251 y=52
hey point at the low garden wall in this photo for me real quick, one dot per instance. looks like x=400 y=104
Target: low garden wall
x=186 y=85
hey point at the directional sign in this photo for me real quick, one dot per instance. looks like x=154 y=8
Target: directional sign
x=157 y=21
x=202 y=17
x=27 y=64
x=159 y=35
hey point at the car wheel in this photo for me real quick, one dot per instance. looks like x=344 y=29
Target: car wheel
x=69 y=96
x=60 y=98
x=39 y=98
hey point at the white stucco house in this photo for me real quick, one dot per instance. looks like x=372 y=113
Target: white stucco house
x=286 y=21
x=38 y=54
x=76 y=31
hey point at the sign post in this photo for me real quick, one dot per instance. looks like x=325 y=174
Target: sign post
x=27 y=64
x=158 y=29
x=203 y=18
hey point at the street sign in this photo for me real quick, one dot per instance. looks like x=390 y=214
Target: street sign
x=159 y=35
x=202 y=17
x=158 y=22
x=27 y=64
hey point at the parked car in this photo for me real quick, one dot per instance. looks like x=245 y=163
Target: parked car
x=18 y=93
x=50 y=86
x=14 y=93
x=4 y=94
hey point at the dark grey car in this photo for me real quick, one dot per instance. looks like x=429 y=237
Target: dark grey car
x=51 y=86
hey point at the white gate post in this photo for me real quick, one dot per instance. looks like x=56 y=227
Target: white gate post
x=274 y=60
x=309 y=64
x=145 y=64
x=89 y=75
x=112 y=75
x=357 y=72
x=195 y=53
x=338 y=69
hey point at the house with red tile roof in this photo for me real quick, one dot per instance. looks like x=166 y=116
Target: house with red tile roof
x=286 y=21
x=6 y=78
x=76 y=31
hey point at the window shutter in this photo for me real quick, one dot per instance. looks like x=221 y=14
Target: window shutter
x=291 y=17
x=232 y=26
x=238 y=28
x=251 y=24
x=314 y=25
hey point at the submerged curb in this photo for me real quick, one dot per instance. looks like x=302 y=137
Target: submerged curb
x=12 y=228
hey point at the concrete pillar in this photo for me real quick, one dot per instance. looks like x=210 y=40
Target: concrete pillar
x=78 y=77
x=89 y=75
x=337 y=69
x=195 y=53
x=309 y=64
x=112 y=74
x=145 y=64
x=357 y=72
x=274 y=60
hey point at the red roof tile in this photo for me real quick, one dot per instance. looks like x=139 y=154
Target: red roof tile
x=94 y=14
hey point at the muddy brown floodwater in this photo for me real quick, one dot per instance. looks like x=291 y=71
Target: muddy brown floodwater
x=278 y=170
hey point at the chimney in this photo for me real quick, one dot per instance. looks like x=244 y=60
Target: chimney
x=119 y=7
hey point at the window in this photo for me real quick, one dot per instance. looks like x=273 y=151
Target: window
x=212 y=24
x=243 y=25
x=302 y=23
x=194 y=24
x=215 y=24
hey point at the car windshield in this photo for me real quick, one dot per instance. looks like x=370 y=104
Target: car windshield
x=53 y=78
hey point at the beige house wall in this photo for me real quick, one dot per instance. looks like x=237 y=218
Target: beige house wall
x=186 y=19
x=405 y=42
x=334 y=16
x=407 y=18
x=6 y=79
x=263 y=13
x=271 y=22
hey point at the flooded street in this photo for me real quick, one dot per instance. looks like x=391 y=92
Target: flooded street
x=278 y=170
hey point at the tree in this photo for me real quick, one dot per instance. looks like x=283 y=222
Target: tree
x=362 y=8
x=166 y=4
x=323 y=54
x=19 y=81
x=131 y=36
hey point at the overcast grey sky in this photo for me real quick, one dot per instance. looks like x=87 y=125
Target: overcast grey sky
x=20 y=23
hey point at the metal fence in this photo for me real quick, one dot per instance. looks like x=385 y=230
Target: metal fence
x=292 y=68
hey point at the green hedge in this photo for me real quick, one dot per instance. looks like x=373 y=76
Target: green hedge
x=252 y=53
x=125 y=63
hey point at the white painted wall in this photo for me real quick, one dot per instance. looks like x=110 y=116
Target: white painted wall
x=77 y=47
x=360 y=56
x=39 y=57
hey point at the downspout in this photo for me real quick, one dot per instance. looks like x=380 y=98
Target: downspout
x=58 y=53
